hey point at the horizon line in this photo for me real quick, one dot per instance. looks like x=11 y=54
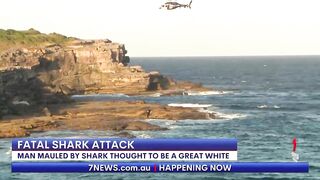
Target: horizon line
x=291 y=55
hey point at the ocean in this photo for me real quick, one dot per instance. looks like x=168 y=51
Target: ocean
x=265 y=102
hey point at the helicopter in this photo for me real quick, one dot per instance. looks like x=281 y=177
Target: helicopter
x=174 y=5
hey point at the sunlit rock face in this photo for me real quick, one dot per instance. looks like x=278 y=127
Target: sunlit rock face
x=48 y=75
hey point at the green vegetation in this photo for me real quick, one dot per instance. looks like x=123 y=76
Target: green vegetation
x=30 y=38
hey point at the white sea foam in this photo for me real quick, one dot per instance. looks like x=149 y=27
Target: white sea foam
x=162 y=122
x=206 y=93
x=262 y=106
x=224 y=116
x=266 y=106
x=174 y=127
x=156 y=95
x=144 y=136
x=230 y=116
x=98 y=95
x=21 y=103
x=9 y=152
x=190 y=105
x=276 y=107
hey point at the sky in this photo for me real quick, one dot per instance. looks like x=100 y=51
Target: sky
x=210 y=28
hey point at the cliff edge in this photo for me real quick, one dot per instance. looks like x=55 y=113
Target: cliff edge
x=48 y=73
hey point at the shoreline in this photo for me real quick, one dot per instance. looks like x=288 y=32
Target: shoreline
x=97 y=115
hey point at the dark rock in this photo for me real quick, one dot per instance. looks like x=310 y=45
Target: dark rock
x=124 y=135
x=140 y=125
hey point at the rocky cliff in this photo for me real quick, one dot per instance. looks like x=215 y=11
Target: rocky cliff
x=46 y=75
x=39 y=72
x=84 y=66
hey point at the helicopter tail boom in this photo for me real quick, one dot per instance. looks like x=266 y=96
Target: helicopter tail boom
x=189 y=5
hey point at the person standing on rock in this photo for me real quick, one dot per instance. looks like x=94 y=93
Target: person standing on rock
x=148 y=113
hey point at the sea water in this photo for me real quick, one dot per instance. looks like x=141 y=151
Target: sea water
x=264 y=102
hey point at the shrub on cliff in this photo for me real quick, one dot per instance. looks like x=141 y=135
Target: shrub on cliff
x=30 y=38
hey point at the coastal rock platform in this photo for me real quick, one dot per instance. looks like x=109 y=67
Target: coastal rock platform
x=115 y=116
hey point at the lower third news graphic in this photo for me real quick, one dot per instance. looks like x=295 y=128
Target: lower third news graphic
x=140 y=156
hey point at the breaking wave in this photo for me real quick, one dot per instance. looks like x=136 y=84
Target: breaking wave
x=225 y=116
x=267 y=107
x=230 y=116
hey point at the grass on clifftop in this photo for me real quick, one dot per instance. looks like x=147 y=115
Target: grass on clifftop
x=29 y=38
